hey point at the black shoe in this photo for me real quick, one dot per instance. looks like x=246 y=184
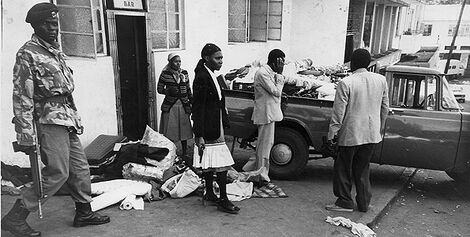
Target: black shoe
x=226 y=205
x=15 y=221
x=84 y=216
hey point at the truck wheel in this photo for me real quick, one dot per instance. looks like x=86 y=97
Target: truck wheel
x=289 y=154
x=460 y=177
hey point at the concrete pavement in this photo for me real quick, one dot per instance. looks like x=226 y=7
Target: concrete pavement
x=301 y=214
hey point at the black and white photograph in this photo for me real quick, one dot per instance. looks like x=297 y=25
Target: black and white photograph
x=235 y=118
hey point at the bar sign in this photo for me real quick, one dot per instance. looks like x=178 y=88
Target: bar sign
x=129 y=4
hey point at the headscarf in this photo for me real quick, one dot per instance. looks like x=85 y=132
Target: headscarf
x=207 y=50
x=171 y=56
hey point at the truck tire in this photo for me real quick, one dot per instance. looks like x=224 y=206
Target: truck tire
x=460 y=177
x=289 y=154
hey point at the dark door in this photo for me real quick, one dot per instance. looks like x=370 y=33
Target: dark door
x=132 y=54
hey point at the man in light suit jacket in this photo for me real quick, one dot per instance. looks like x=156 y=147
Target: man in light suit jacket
x=268 y=84
x=358 y=120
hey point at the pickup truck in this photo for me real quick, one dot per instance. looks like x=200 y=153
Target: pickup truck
x=424 y=129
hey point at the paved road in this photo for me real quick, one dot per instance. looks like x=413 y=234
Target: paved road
x=301 y=214
x=432 y=205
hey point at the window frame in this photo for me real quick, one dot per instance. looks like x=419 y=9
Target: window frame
x=102 y=25
x=427 y=29
x=400 y=93
x=248 y=27
x=464 y=30
x=245 y=27
x=167 y=30
x=94 y=25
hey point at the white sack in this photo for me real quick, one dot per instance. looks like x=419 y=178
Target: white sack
x=155 y=139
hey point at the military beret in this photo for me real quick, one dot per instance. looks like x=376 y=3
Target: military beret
x=41 y=12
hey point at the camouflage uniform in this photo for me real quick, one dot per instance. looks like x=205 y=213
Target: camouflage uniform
x=42 y=94
x=42 y=91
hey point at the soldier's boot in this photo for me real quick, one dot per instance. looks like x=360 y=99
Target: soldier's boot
x=15 y=221
x=84 y=216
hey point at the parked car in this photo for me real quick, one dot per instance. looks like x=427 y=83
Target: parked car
x=425 y=127
x=456 y=68
x=458 y=93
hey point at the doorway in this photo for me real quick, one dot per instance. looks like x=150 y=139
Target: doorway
x=133 y=74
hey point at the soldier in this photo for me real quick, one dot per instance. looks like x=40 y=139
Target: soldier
x=42 y=99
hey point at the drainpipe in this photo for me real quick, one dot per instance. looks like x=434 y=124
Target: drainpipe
x=455 y=36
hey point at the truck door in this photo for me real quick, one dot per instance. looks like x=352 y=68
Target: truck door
x=419 y=132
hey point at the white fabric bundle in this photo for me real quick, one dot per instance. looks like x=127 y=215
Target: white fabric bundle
x=238 y=191
x=358 y=229
x=132 y=201
x=181 y=185
x=114 y=191
x=327 y=92
x=247 y=176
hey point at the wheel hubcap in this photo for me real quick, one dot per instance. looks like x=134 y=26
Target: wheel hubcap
x=281 y=154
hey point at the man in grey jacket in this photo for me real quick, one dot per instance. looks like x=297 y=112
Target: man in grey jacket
x=268 y=83
x=358 y=120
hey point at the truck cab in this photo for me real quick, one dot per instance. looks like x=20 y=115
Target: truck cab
x=425 y=126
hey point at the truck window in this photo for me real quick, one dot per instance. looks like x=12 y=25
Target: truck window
x=430 y=103
x=409 y=91
x=448 y=99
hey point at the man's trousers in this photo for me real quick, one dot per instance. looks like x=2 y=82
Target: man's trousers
x=65 y=163
x=263 y=151
x=352 y=164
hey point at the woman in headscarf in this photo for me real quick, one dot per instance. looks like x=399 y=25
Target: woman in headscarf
x=175 y=122
x=209 y=120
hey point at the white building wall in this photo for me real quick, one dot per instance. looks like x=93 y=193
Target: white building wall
x=441 y=16
x=319 y=30
x=94 y=80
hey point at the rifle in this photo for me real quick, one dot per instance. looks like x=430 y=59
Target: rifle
x=34 y=159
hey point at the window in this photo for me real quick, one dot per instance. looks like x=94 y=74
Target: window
x=81 y=25
x=427 y=30
x=448 y=47
x=465 y=47
x=254 y=20
x=464 y=30
x=453 y=56
x=237 y=20
x=410 y=91
x=167 y=26
x=448 y=99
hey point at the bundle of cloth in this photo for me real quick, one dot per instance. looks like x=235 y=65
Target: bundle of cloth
x=135 y=166
x=128 y=192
